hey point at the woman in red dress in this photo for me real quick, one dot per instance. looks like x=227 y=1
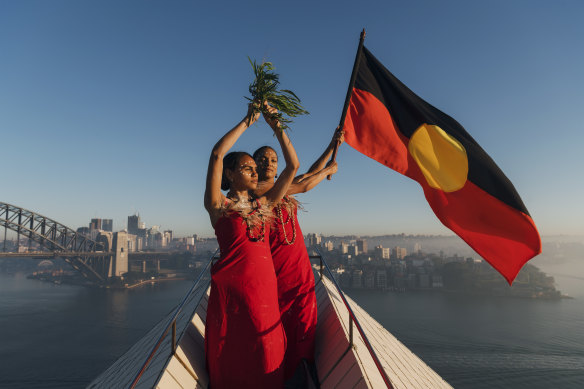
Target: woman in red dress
x=291 y=262
x=244 y=339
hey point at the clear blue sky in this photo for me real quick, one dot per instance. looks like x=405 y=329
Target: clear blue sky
x=112 y=107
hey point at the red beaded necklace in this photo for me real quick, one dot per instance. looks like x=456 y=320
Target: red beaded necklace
x=290 y=219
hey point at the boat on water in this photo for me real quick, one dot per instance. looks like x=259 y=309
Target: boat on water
x=352 y=349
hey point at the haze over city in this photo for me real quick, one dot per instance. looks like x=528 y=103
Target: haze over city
x=109 y=108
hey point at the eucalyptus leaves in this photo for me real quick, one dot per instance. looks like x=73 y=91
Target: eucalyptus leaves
x=265 y=88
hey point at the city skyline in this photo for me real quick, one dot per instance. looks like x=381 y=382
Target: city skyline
x=119 y=105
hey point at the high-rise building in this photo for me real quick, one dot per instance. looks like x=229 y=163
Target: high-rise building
x=95 y=224
x=313 y=239
x=107 y=225
x=167 y=238
x=400 y=252
x=343 y=248
x=382 y=252
x=362 y=245
x=328 y=245
x=133 y=224
x=353 y=250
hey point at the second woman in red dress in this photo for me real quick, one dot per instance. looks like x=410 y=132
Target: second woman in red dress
x=291 y=262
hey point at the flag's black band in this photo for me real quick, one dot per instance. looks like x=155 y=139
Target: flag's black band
x=409 y=111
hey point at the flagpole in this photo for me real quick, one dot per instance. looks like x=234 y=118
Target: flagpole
x=349 y=93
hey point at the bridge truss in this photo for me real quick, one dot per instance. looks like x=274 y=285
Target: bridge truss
x=85 y=255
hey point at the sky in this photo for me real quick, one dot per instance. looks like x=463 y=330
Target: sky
x=109 y=108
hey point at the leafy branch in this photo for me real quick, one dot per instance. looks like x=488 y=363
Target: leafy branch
x=265 y=88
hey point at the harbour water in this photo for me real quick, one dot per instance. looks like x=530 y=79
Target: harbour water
x=60 y=336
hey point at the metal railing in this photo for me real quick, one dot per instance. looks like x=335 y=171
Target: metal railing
x=171 y=326
x=352 y=321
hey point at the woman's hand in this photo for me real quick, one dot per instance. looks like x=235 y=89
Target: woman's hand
x=252 y=116
x=332 y=168
x=338 y=137
x=274 y=123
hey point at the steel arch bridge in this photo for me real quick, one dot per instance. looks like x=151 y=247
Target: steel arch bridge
x=85 y=255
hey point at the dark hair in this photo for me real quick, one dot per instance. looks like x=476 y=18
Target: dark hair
x=230 y=162
x=259 y=151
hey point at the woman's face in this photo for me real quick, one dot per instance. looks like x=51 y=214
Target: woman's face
x=267 y=164
x=244 y=176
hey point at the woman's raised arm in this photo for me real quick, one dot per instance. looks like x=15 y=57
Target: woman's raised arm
x=213 y=195
x=318 y=171
x=277 y=192
x=319 y=164
x=307 y=182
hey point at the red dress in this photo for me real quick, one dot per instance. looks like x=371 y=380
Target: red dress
x=295 y=285
x=244 y=339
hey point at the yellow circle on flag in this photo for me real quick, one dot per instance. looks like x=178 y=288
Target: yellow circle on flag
x=441 y=158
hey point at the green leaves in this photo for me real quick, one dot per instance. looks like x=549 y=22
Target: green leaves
x=265 y=88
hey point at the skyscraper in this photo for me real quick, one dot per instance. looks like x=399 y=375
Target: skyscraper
x=133 y=224
x=362 y=245
x=95 y=224
x=107 y=224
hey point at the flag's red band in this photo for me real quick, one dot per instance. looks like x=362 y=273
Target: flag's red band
x=506 y=237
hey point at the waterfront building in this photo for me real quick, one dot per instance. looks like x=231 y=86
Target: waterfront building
x=424 y=281
x=381 y=279
x=357 y=280
x=399 y=282
x=437 y=281
x=369 y=279
x=411 y=281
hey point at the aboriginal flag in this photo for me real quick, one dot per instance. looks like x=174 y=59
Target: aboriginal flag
x=464 y=187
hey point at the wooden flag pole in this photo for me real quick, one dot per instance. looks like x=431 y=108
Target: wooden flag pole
x=349 y=93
